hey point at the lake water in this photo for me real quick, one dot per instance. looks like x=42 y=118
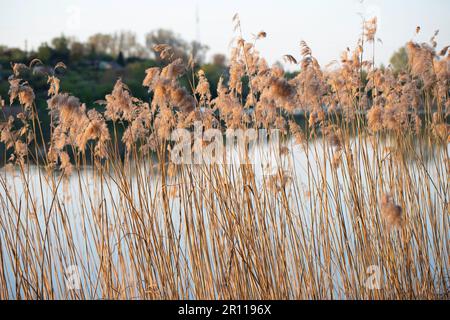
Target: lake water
x=84 y=200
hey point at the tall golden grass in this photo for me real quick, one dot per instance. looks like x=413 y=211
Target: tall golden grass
x=362 y=213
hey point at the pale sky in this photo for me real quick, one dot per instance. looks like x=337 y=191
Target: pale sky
x=328 y=26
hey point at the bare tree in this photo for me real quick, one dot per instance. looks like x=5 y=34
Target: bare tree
x=101 y=43
x=181 y=48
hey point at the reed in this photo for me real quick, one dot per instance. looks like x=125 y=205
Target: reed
x=356 y=208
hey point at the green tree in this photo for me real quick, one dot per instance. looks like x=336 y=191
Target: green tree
x=17 y=55
x=44 y=53
x=399 y=60
x=77 y=51
x=121 y=59
x=61 y=49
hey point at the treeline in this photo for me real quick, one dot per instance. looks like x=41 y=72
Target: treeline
x=121 y=46
x=94 y=66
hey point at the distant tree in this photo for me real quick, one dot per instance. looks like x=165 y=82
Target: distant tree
x=219 y=59
x=77 y=51
x=112 y=45
x=60 y=43
x=44 y=53
x=126 y=42
x=101 y=44
x=399 y=60
x=162 y=36
x=61 y=51
x=139 y=52
x=181 y=48
x=12 y=55
x=121 y=59
x=215 y=70
x=198 y=52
